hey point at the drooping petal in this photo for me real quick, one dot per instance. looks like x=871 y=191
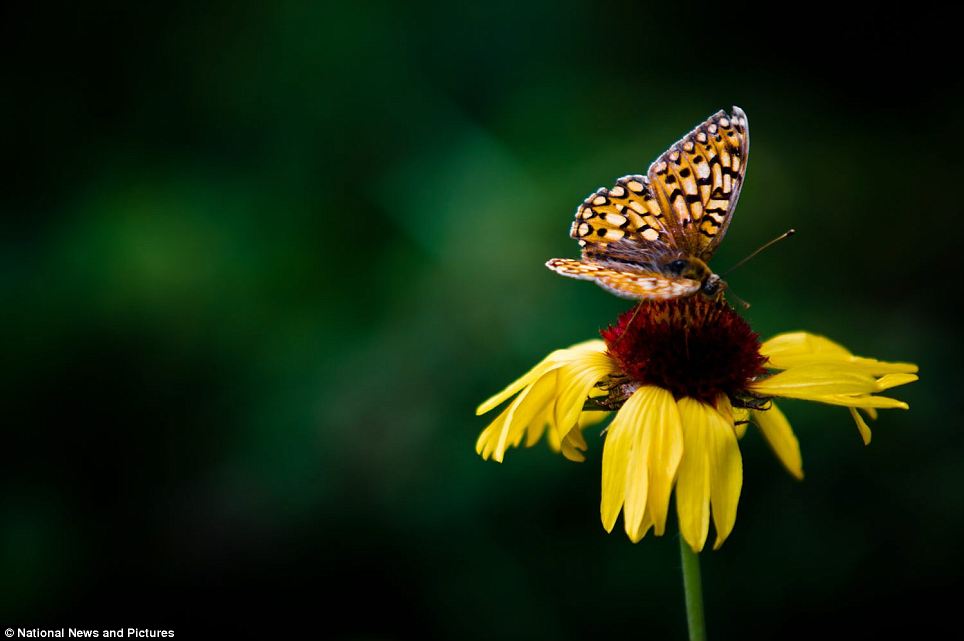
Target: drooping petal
x=556 y=359
x=693 y=484
x=509 y=427
x=576 y=379
x=485 y=444
x=530 y=404
x=861 y=426
x=541 y=369
x=564 y=376
x=573 y=445
x=542 y=425
x=794 y=349
x=778 y=433
x=592 y=417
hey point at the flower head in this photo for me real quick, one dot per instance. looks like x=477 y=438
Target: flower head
x=683 y=377
x=699 y=349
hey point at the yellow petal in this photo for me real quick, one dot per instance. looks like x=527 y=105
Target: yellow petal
x=801 y=348
x=730 y=413
x=587 y=419
x=811 y=381
x=550 y=362
x=615 y=460
x=794 y=345
x=866 y=401
x=726 y=473
x=778 y=433
x=487 y=440
x=530 y=403
x=547 y=365
x=693 y=484
x=640 y=457
x=739 y=415
x=875 y=367
x=893 y=380
x=665 y=433
x=573 y=445
x=637 y=473
x=637 y=535
x=542 y=425
x=576 y=379
x=861 y=426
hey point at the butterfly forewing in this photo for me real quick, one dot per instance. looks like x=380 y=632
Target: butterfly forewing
x=627 y=211
x=697 y=181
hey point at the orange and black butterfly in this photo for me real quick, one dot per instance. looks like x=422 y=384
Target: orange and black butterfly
x=650 y=237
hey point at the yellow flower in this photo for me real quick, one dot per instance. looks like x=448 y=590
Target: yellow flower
x=684 y=377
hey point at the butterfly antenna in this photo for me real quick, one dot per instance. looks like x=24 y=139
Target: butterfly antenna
x=784 y=235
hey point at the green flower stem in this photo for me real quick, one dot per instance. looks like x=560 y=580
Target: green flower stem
x=693 y=589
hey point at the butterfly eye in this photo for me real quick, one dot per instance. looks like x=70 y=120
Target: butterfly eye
x=677 y=266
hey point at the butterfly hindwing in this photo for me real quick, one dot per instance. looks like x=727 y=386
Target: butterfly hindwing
x=624 y=283
x=697 y=181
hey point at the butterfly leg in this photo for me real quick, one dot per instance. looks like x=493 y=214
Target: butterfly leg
x=639 y=306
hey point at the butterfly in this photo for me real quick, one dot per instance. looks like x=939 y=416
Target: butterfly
x=650 y=237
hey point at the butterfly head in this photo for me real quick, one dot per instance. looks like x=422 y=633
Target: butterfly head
x=713 y=286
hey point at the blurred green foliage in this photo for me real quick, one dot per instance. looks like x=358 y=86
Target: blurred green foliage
x=261 y=261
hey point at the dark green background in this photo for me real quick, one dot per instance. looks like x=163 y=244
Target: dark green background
x=261 y=261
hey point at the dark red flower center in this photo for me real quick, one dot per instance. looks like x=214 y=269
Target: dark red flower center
x=690 y=346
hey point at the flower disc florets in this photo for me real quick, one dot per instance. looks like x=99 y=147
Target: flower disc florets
x=690 y=346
